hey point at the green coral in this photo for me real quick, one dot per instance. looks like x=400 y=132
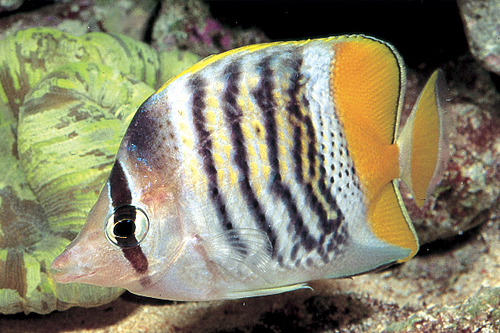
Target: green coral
x=65 y=103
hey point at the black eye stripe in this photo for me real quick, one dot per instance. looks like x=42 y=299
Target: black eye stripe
x=124 y=229
x=125 y=213
x=127 y=228
x=124 y=226
x=121 y=197
x=119 y=189
x=137 y=259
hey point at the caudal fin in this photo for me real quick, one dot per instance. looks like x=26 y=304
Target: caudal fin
x=423 y=141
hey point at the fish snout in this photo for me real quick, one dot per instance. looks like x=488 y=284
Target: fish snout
x=68 y=268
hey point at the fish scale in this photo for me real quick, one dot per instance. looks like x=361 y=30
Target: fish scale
x=263 y=168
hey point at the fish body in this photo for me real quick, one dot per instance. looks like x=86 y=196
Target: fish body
x=263 y=168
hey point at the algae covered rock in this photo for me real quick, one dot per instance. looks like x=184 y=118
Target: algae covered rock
x=65 y=103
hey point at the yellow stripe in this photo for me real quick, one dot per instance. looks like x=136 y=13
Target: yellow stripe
x=253 y=132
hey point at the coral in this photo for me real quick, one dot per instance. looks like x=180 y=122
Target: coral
x=130 y=17
x=66 y=102
x=170 y=24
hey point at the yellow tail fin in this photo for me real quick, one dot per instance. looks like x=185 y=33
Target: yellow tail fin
x=423 y=141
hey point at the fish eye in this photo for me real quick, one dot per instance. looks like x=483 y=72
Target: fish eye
x=127 y=226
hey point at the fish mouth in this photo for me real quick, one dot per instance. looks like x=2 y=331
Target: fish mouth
x=67 y=277
x=65 y=268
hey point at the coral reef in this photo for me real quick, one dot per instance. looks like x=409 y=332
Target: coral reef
x=82 y=16
x=66 y=102
x=168 y=25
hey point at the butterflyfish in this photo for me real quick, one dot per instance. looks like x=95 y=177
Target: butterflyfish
x=263 y=168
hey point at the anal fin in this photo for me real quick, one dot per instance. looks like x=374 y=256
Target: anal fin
x=390 y=221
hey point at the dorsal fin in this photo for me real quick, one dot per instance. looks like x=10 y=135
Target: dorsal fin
x=367 y=85
x=368 y=82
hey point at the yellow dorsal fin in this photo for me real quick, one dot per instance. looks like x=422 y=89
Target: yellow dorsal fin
x=424 y=140
x=367 y=84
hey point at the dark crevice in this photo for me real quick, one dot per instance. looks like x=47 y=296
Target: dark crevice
x=148 y=33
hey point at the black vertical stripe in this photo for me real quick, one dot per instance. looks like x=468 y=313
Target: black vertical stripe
x=293 y=108
x=297 y=153
x=119 y=190
x=137 y=258
x=205 y=149
x=121 y=196
x=328 y=226
x=265 y=100
x=312 y=151
x=233 y=115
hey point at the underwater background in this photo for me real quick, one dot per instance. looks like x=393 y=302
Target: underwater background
x=72 y=73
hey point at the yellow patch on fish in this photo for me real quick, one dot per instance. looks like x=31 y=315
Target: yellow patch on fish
x=263 y=168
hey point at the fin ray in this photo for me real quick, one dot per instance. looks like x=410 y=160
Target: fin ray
x=267 y=291
x=245 y=246
x=424 y=139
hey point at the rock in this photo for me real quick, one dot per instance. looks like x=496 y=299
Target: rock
x=82 y=16
x=482 y=27
x=188 y=25
x=8 y=5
